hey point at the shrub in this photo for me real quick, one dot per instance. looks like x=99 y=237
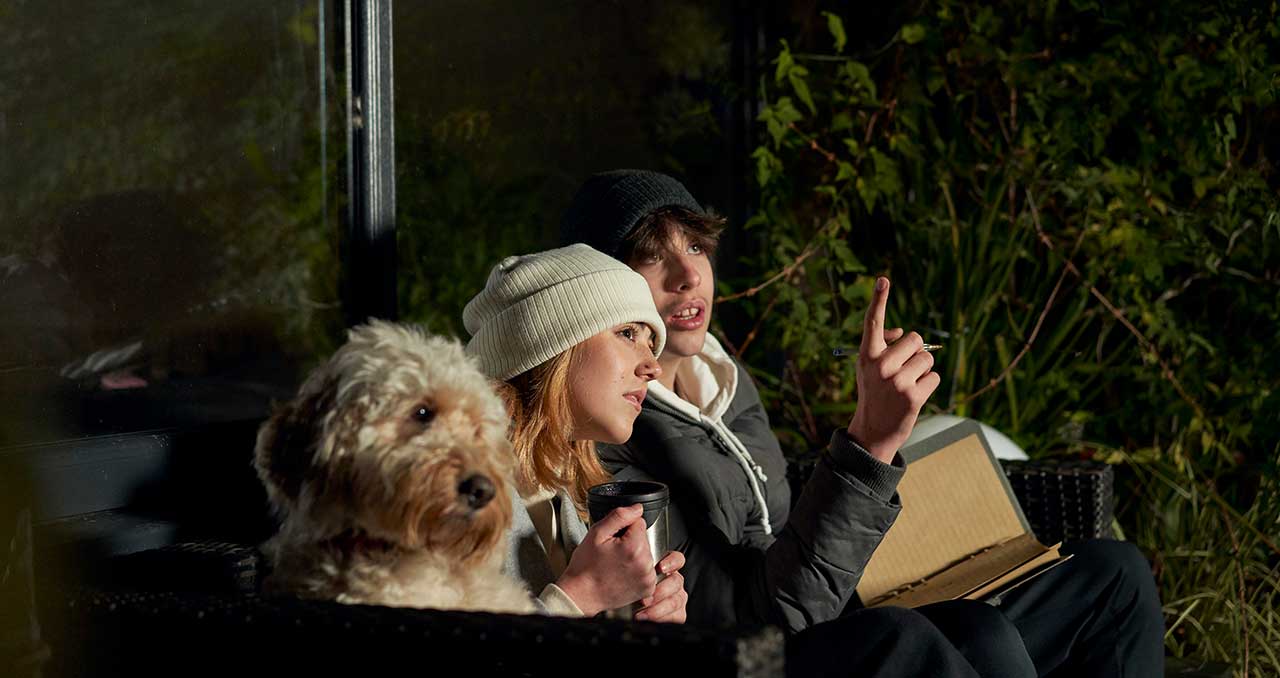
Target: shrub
x=1077 y=200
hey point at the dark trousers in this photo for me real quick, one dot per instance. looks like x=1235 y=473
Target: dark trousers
x=1097 y=615
x=956 y=639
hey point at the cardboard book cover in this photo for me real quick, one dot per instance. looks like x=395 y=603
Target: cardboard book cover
x=961 y=533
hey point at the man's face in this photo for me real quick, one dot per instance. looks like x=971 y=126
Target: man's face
x=682 y=284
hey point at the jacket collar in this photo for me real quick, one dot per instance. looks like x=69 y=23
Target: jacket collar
x=709 y=380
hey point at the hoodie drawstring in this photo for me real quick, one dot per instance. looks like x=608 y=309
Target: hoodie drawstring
x=755 y=474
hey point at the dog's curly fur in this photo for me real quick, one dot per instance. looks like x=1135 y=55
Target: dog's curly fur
x=390 y=473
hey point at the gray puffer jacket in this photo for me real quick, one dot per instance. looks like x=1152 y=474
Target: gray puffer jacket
x=751 y=557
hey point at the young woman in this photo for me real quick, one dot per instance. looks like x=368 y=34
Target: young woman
x=572 y=336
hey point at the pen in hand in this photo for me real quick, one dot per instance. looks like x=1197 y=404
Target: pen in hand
x=842 y=351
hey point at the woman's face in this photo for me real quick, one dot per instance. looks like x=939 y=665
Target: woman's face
x=608 y=380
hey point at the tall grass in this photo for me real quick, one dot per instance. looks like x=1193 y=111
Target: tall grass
x=1218 y=568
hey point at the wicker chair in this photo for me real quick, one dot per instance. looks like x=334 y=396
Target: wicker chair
x=195 y=607
x=1062 y=500
x=124 y=633
x=148 y=610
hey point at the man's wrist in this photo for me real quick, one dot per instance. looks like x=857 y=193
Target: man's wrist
x=850 y=457
x=881 y=451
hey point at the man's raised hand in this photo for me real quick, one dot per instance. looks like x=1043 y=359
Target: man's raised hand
x=894 y=381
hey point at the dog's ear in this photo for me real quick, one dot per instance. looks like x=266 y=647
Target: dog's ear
x=287 y=442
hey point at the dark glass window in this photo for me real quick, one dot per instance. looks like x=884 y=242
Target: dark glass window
x=168 y=209
x=503 y=108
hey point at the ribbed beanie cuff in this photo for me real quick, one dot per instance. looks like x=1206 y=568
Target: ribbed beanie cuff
x=536 y=306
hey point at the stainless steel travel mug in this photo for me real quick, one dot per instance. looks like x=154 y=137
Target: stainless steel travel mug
x=655 y=498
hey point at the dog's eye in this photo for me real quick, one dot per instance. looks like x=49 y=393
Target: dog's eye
x=423 y=414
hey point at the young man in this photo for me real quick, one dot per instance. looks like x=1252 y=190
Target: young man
x=751 y=557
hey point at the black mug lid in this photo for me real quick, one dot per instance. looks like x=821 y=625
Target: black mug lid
x=605 y=497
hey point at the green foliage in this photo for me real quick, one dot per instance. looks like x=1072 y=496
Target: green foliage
x=486 y=171
x=1085 y=215
x=1216 y=566
x=455 y=219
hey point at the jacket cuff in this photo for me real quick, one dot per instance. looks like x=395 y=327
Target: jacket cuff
x=558 y=602
x=879 y=477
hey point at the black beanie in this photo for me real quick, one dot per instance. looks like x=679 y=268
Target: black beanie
x=610 y=204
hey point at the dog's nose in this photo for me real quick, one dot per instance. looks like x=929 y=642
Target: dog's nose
x=477 y=490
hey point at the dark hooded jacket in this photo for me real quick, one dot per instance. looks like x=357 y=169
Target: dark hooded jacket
x=751 y=556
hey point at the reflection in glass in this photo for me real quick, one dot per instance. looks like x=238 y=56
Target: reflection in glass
x=504 y=108
x=167 y=211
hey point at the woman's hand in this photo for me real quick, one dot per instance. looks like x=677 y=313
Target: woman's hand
x=612 y=566
x=667 y=604
x=894 y=381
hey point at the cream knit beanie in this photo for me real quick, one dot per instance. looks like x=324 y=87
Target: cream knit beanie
x=539 y=305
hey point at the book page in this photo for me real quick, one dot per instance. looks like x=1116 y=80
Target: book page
x=1023 y=574
x=979 y=571
x=954 y=504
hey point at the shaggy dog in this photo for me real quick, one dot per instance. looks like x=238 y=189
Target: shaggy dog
x=390 y=472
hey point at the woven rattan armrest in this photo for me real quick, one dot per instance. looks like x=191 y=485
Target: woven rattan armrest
x=140 y=633
x=1062 y=499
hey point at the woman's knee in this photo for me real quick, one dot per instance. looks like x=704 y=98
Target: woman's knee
x=1126 y=603
x=984 y=635
x=909 y=627
x=905 y=621
x=1120 y=563
x=973 y=622
x=875 y=642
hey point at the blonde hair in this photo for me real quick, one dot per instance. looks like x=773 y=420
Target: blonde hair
x=542 y=419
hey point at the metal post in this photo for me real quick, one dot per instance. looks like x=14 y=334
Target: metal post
x=370 y=235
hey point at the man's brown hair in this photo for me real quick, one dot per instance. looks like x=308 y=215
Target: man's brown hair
x=652 y=233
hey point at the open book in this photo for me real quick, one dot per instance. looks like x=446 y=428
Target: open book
x=961 y=533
